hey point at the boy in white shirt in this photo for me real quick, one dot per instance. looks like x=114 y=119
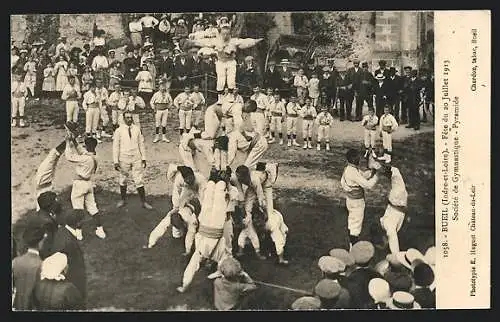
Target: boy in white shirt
x=300 y=82
x=198 y=102
x=18 y=98
x=308 y=114
x=113 y=99
x=388 y=125
x=185 y=105
x=278 y=112
x=90 y=105
x=292 y=113
x=160 y=103
x=369 y=122
x=324 y=120
x=267 y=113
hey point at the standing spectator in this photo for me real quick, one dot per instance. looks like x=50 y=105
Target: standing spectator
x=313 y=89
x=146 y=83
x=194 y=63
x=102 y=98
x=365 y=90
x=131 y=67
x=115 y=75
x=66 y=242
x=26 y=268
x=14 y=57
x=300 y=82
x=87 y=79
x=345 y=93
x=100 y=66
x=328 y=84
x=413 y=97
x=249 y=75
x=150 y=62
x=381 y=93
x=62 y=44
x=311 y=69
x=164 y=28
x=129 y=157
x=382 y=64
x=272 y=77
x=395 y=86
x=425 y=93
x=181 y=72
x=166 y=67
x=71 y=94
x=90 y=105
x=73 y=71
x=61 y=68
x=18 y=99
x=148 y=23
x=354 y=75
x=30 y=76
x=112 y=57
x=49 y=81
x=184 y=103
x=135 y=29
x=208 y=83
x=53 y=291
x=74 y=55
x=286 y=78
x=62 y=53
x=181 y=30
x=197 y=25
x=405 y=94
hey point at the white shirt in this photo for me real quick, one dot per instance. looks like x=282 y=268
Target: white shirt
x=99 y=62
x=370 y=122
x=135 y=26
x=398 y=195
x=128 y=146
x=388 y=120
x=149 y=21
x=46 y=169
x=353 y=178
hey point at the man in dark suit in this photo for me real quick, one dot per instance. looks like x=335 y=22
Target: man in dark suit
x=248 y=76
x=354 y=75
x=208 y=84
x=358 y=280
x=311 y=69
x=286 y=79
x=272 y=78
x=166 y=66
x=423 y=276
x=66 y=242
x=181 y=73
x=381 y=92
x=382 y=64
x=328 y=83
x=403 y=94
x=345 y=94
x=365 y=92
x=194 y=63
x=412 y=93
x=395 y=87
x=26 y=268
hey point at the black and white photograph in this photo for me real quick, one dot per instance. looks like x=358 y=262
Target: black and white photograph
x=215 y=161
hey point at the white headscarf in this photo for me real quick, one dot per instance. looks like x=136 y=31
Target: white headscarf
x=53 y=266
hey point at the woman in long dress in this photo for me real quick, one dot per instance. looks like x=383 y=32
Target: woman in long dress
x=61 y=68
x=49 y=81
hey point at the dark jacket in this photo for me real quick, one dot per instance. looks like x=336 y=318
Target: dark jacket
x=166 y=66
x=425 y=297
x=367 y=83
x=343 y=85
x=357 y=285
x=381 y=91
x=66 y=243
x=394 y=87
x=180 y=69
x=57 y=295
x=411 y=90
x=385 y=72
x=195 y=68
x=286 y=74
x=131 y=68
x=329 y=85
x=25 y=275
x=316 y=70
x=272 y=79
x=355 y=77
x=248 y=76
x=50 y=224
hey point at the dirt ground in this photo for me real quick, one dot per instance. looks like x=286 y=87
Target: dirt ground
x=123 y=275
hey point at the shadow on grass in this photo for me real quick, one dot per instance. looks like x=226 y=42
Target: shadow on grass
x=122 y=274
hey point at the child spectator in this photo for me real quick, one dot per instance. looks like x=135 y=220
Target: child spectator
x=277 y=111
x=87 y=79
x=300 y=82
x=115 y=75
x=49 y=81
x=73 y=71
x=18 y=99
x=198 y=102
x=292 y=112
x=231 y=284
x=61 y=68
x=370 y=122
x=146 y=83
x=324 y=120
x=313 y=88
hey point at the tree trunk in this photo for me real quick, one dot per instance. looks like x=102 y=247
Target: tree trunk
x=238 y=26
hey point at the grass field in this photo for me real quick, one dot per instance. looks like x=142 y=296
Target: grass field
x=123 y=275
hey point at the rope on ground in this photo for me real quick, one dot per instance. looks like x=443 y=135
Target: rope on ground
x=283 y=287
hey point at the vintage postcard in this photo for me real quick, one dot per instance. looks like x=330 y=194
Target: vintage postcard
x=267 y=161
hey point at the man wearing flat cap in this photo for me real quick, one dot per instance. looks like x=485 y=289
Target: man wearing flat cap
x=357 y=282
x=354 y=76
x=332 y=295
x=306 y=303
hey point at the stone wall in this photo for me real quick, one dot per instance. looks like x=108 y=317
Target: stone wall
x=284 y=25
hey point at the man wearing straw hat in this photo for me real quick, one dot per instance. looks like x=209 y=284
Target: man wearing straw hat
x=381 y=93
x=286 y=78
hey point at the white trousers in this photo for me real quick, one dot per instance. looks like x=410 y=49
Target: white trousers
x=161 y=117
x=370 y=136
x=133 y=166
x=82 y=196
x=307 y=129
x=117 y=116
x=387 y=140
x=104 y=115
x=256 y=153
x=323 y=133
x=291 y=125
x=249 y=233
x=72 y=110
x=226 y=74
x=275 y=125
x=356 y=209
x=92 y=119
x=185 y=119
x=18 y=104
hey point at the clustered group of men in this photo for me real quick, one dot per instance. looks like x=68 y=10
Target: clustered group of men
x=234 y=204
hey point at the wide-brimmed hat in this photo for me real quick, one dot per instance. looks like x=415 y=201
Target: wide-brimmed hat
x=181 y=21
x=285 y=61
x=402 y=301
x=379 y=77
